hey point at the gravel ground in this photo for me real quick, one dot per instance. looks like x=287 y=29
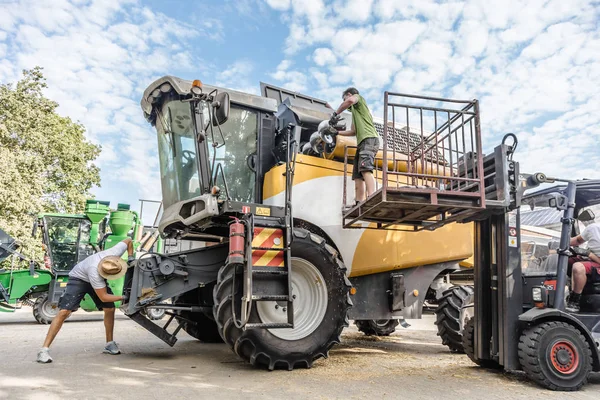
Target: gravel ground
x=410 y=364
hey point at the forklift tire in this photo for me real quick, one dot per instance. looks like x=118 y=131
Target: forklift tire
x=451 y=316
x=377 y=327
x=555 y=355
x=44 y=311
x=468 y=342
x=312 y=337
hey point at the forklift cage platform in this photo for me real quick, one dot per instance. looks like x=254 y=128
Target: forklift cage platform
x=430 y=169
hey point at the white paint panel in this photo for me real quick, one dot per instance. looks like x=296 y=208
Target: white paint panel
x=319 y=201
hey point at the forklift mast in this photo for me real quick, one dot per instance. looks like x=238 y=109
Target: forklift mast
x=499 y=282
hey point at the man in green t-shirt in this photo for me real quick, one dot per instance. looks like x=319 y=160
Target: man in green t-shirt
x=367 y=141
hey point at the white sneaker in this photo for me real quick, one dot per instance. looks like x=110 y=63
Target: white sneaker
x=112 y=348
x=44 y=356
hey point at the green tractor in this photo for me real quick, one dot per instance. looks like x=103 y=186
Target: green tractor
x=67 y=239
x=19 y=285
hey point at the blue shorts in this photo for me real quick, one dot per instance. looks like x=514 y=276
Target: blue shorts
x=74 y=293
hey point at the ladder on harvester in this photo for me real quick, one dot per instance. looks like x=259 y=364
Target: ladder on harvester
x=267 y=269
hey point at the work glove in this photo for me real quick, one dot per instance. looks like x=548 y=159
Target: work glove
x=131 y=261
x=335 y=118
x=125 y=299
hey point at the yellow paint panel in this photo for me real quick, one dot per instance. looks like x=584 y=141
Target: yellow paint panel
x=380 y=251
x=307 y=168
x=310 y=167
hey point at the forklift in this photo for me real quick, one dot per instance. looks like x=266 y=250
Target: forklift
x=519 y=319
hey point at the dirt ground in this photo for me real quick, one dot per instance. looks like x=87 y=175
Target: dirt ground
x=410 y=364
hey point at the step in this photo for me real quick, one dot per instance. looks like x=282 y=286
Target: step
x=269 y=326
x=269 y=271
x=270 y=297
x=271 y=248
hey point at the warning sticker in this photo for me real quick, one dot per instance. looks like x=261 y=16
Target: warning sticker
x=512 y=242
x=512 y=232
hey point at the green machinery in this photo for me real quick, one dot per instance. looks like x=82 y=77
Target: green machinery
x=68 y=239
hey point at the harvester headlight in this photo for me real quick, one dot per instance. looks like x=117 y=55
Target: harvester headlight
x=196 y=87
x=165 y=87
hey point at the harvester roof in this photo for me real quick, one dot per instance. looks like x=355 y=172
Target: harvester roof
x=158 y=90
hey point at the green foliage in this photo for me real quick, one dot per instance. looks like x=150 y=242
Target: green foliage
x=46 y=163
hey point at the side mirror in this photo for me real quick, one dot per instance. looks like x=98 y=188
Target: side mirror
x=586 y=215
x=220 y=109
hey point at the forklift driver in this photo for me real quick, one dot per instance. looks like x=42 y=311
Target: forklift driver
x=582 y=266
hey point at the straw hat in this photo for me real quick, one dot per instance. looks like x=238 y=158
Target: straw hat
x=112 y=267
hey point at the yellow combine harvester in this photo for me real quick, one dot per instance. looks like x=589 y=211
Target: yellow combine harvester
x=289 y=261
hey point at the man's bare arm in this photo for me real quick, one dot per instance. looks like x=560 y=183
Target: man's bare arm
x=351 y=132
x=129 y=244
x=576 y=241
x=350 y=101
x=594 y=258
x=106 y=297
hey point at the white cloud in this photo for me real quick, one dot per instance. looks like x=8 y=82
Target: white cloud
x=324 y=56
x=281 y=5
x=235 y=70
x=531 y=63
x=354 y=10
x=98 y=56
x=347 y=39
x=237 y=77
x=292 y=80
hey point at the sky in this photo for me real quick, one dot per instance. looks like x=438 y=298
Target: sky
x=534 y=66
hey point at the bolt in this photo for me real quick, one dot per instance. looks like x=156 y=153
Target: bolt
x=294 y=297
x=276 y=306
x=284 y=309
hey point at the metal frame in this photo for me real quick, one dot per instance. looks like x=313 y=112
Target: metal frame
x=444 y=175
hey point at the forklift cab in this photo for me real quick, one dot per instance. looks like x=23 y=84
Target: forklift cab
x=542 y=273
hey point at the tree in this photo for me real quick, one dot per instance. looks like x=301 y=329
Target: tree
x=46 y=163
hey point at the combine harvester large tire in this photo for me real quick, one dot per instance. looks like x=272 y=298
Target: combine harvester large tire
x=321 y=303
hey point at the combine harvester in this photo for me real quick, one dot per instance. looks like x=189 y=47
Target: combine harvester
x=289 y=262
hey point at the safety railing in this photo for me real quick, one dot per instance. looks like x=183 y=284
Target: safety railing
x=430 y=166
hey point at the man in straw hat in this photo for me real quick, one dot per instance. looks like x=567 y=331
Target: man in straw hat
x=89 y=277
